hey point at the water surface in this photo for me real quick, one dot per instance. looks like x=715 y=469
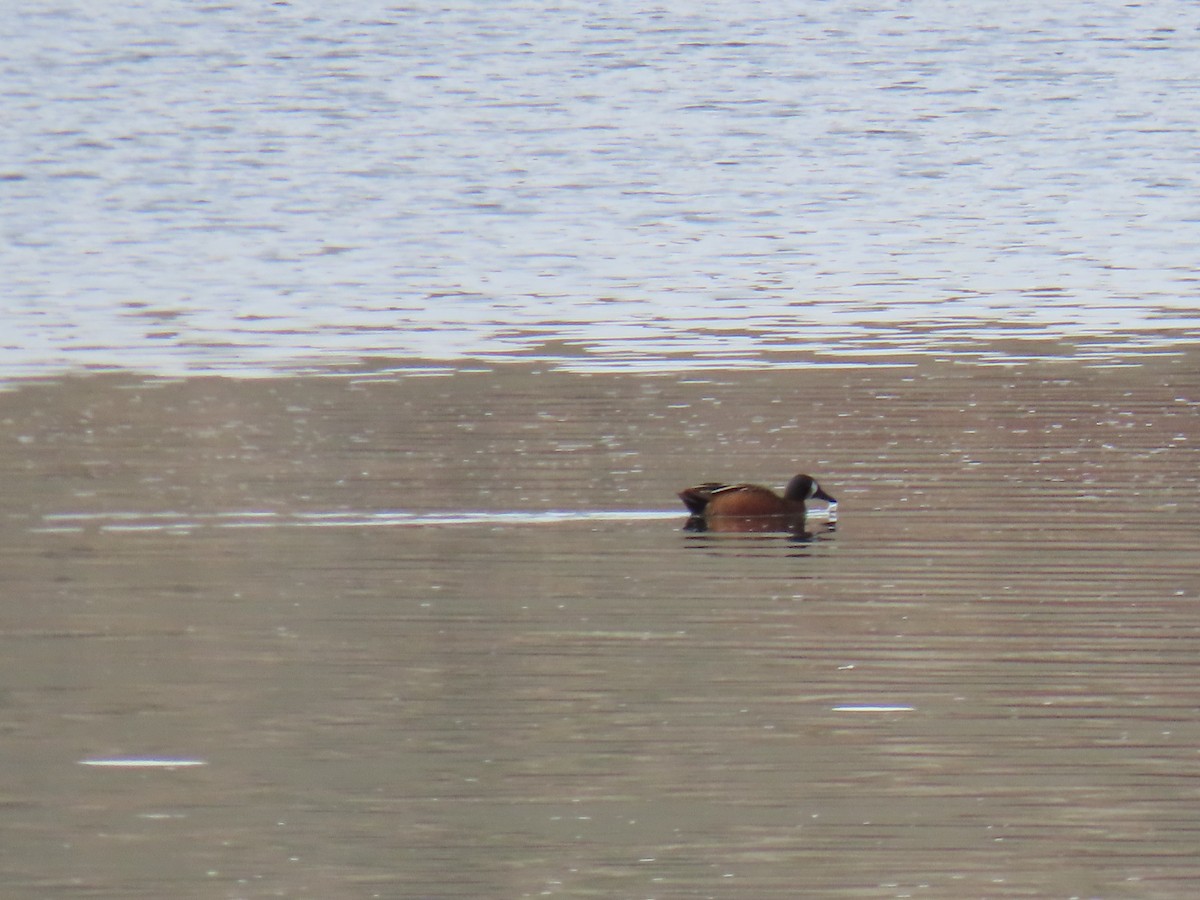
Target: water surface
x=232 y=187
x=360 y=606
x=404 y=608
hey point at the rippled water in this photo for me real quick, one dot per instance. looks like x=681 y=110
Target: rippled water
x=412 y=613
x=342 y=637
x=199 y=187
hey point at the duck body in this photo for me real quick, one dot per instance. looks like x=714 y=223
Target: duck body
x=716 y=506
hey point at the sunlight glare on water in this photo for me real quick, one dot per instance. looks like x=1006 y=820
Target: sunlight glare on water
x=238 y=188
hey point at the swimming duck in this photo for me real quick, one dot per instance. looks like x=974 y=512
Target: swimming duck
x=750 y=507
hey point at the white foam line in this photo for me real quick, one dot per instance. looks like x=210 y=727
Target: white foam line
x=142 y=763
x=135 y=516
x=168 y=526
x=476 y=518
x=119 y=516
x=874 y=708
x=162 y=521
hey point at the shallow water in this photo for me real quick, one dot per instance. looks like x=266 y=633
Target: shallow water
x=358 y=605
x=407 y=610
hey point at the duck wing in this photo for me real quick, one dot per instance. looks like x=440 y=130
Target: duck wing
x=697 y=497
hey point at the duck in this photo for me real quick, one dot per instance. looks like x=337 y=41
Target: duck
x=716 y=506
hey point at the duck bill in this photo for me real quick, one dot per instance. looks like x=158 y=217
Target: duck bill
x=819 y=494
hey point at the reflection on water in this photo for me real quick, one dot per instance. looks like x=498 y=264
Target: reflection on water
x=432 y=628
x=447 y=638
x=797 y=529
x=235 y=187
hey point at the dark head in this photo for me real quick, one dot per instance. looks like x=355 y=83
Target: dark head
x=805 y=487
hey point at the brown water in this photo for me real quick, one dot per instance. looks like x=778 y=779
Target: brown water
x=353 y=600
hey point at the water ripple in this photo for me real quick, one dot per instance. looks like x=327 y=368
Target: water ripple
x=603 y=190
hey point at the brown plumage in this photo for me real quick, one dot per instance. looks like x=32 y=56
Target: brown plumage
x=750 y=507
